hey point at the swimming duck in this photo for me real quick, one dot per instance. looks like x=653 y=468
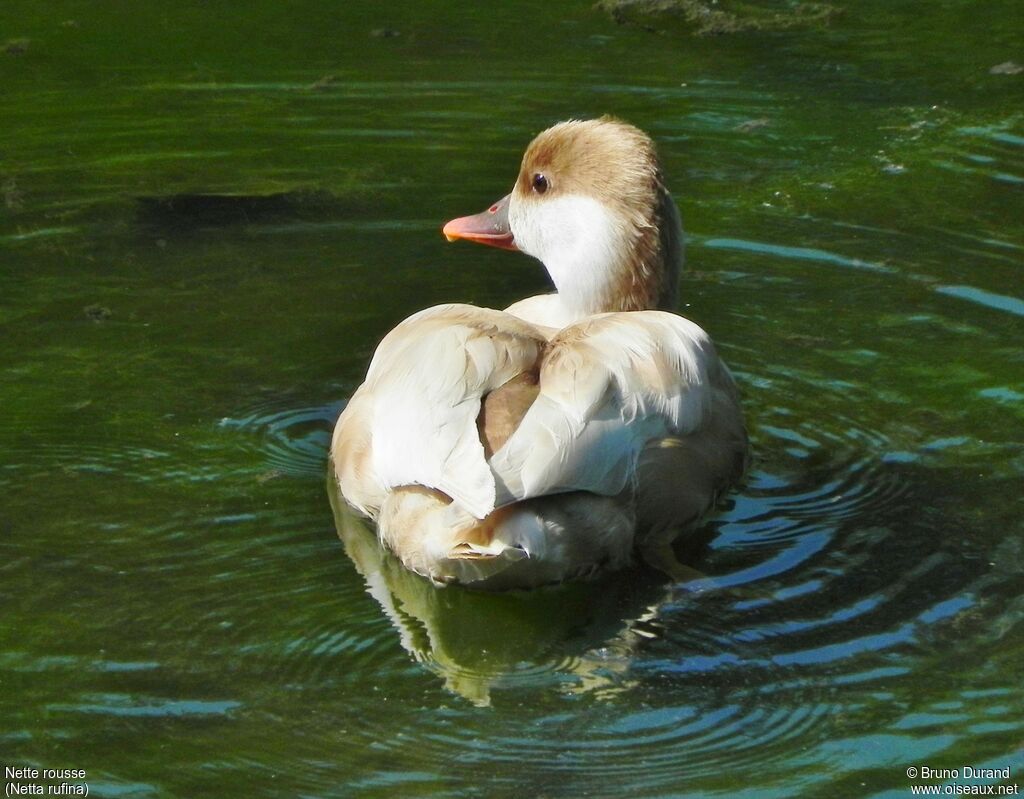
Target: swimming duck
x=551 y=440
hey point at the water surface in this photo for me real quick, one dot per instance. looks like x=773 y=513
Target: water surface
x=180 y=616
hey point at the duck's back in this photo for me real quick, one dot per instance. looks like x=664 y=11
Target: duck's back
x=488 y=453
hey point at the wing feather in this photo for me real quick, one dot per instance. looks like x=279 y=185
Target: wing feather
x=608 y=386
x=420 y=402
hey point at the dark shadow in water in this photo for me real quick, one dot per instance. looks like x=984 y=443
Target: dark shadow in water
x=184 y=212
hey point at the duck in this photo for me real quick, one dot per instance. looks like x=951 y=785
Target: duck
x=563 y=436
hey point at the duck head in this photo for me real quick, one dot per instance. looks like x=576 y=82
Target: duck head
x=590 y=203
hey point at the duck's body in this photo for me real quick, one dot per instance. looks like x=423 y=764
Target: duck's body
x=547 y=441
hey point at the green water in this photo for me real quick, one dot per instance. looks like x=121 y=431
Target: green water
x=179 y=617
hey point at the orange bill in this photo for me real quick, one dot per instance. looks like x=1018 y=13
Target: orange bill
x=488 y=227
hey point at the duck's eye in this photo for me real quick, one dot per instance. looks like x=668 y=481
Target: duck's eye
x=540 y=183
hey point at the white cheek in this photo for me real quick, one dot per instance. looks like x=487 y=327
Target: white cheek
x=573 y=235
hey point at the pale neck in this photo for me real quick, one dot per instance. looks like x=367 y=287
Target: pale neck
x=624 y=264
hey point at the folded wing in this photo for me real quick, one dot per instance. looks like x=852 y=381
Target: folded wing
x=609 y=385
x=413 y=421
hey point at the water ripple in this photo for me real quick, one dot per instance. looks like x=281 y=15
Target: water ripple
x=294 y=440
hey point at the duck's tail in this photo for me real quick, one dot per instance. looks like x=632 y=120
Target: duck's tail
x=529 y=543
x=415 y=524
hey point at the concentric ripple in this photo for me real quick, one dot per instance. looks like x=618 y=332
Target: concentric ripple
x=293 y=440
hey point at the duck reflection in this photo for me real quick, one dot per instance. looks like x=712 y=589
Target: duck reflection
x=581 y=636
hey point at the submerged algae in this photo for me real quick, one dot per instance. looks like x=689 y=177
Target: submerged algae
x=712 y=18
